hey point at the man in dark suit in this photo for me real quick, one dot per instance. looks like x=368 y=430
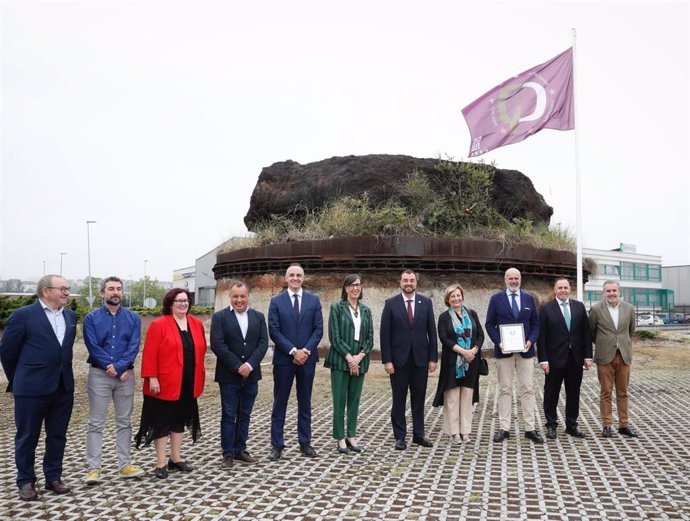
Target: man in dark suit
x=239 y=340
x=514 y=306
x=564 y=348
x=409 y=353
x=295 y=324
x=36 y=354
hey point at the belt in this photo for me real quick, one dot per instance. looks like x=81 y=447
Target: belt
x=99 y=367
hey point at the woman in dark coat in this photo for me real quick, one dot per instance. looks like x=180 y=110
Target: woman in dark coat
x=461 y=336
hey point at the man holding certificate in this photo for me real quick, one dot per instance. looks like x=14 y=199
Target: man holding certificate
x=512 y=323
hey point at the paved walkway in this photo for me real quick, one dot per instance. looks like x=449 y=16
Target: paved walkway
x=595 y=478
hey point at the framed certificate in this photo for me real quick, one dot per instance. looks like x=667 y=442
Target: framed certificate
x=512 y=338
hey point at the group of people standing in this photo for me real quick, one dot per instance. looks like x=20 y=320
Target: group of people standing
x=36 y=354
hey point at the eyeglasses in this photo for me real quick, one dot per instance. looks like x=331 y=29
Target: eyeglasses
x=357 y=285
x=181 y=302
x=63 y=289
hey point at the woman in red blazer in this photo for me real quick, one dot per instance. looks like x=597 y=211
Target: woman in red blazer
x=173 y=370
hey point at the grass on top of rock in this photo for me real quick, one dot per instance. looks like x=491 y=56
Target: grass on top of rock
x=454 y=203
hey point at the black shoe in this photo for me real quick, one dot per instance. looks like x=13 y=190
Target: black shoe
x=400 y=445
x=627 y=431
x=58 y=487
x=27 y=492
x=307 y=450
x=551 y=433
x=276 y=453
x=353 y=448
x=501 y=435
x=422 y=441
x=160 y=472
x=227 y=462
x=181 y=465
x=575 y=432
x=534 y=436
x=341 y=450
x=606 y=432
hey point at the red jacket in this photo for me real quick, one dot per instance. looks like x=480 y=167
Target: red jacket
x=163 y=357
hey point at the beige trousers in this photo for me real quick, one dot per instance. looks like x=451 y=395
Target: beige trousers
x=457 y=411
x=524 y=367
x=617 y=374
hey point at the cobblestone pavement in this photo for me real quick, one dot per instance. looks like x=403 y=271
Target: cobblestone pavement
x=594 y=478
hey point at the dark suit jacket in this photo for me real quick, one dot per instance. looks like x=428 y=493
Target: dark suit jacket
x=287 y=331
x=233 y=350
x=500 y=312
x=400 y=339
x=341 y=334
x=555 y=341
x=33 y=359
x=446 y=378
x=163 y=357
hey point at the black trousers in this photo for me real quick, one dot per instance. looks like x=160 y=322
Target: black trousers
x=412 y=378
x=571 y=374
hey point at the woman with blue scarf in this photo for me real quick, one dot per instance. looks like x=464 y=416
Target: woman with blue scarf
x=461 y=336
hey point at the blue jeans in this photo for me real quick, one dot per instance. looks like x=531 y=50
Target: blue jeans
x=237 y=401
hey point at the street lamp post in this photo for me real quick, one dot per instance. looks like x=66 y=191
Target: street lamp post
x=143 y=304
x=44 y=267
x=88 y=253
x=62 y=253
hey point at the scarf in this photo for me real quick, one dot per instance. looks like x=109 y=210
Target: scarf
x=463 y=329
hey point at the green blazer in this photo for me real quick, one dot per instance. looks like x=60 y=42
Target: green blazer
x=341 y=332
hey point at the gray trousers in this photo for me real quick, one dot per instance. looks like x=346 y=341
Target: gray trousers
x=101 y=389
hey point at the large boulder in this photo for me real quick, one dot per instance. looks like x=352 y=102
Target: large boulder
x=286 y=185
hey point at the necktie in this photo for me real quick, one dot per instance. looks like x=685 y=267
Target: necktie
x=410 y=316
x=514 y=305
x=566 y=314
x=295 y=304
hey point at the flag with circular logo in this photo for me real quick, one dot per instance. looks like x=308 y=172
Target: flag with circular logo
x=541 y=97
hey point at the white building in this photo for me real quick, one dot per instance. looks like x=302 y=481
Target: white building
x=639 y=275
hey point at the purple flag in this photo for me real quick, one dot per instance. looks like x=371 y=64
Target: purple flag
x=541 y=97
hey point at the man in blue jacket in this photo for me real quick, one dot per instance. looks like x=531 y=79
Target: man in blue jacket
x=239 y=340
x=514 y=306
x=295 y=324
x=36 y=354
x=112 y=335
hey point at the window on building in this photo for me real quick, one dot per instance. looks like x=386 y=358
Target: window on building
x=612 y=269
x=627 y=270
x=654 y=272
x=641 y=272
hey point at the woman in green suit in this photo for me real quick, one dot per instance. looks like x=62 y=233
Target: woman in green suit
x=351 y=334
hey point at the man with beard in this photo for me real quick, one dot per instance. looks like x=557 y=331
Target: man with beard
x=112 y=335
x=409 y=353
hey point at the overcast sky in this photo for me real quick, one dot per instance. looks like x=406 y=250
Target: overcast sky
x=155 y=118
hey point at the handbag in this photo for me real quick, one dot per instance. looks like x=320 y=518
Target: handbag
x=483 y=367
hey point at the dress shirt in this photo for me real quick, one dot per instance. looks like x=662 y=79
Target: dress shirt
x=112 y=339
x=299 y=300
x=406 y=298
x=560 y=305
x=517 y=298
x=243 y=321
x=613 y=311
x=357 y=321
x=57 y=320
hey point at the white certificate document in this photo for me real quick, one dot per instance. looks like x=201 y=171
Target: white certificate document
x=512 y=338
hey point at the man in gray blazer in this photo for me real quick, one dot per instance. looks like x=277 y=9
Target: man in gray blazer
x=613 y=324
